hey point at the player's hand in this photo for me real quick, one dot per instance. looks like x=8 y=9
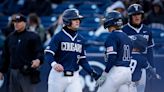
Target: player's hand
x=102 y=79
x=35 y=63
x=153 y=74
x=95 y=75
x=58 y=67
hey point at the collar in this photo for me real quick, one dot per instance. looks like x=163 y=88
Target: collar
x=136 y=29
x=19 y=33
x=71 y=37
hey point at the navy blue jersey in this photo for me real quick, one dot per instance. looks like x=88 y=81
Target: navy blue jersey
x=66 y=50
x=118 y=49
x=138 y=62
x=146 y=32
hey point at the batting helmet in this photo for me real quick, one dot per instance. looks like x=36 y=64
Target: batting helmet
x=138 y=41
x=113 y=18
x=69 y=15
x=135 y=9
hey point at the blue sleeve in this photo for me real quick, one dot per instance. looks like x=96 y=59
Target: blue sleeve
x=111 y=51
x=144 y=63
x=84 y=63
x=51 y=49
x=149 y=54
x=110 y=63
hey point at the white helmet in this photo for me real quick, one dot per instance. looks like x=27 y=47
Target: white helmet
x=1 y=82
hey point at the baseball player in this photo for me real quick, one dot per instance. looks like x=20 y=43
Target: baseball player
x=118 y=51
x=139 y=62
x=135 y=26
x=66 y=52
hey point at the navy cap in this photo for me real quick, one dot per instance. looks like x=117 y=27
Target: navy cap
x=19 y=18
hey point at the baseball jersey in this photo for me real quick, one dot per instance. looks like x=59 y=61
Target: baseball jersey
x=118 y=49
x=146 y=32
x=67 y=50
x=138 y=62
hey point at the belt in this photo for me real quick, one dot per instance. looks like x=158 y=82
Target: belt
x=68 y=73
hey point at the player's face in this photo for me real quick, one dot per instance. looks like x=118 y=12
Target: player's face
x=75 y=24
x=137 y=19
x=111 y=28
x=19 y=26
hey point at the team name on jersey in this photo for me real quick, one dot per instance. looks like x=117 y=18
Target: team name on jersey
x=145 y=36
x=68 y=46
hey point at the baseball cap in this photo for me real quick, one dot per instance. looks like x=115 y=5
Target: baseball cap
x=19 y=18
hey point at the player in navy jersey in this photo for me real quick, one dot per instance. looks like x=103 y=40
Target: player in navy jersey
x=118 y=51
x=135 y=26
x=139 y=62
x=65 y=53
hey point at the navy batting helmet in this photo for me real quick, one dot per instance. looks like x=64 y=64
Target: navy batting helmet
x=138 y=41
x=135 y=9
x=69 y=15
x=113 y=18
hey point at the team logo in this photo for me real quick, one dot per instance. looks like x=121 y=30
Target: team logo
x=136 y=7
x=144 y=31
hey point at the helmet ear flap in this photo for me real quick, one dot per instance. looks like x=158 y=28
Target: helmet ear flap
x=67 y=22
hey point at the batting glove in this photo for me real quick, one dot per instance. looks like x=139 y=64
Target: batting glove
x=102 y=79
x=153 y=73
x=95 y=75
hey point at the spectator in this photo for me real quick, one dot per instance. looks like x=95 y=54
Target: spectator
x=156 y=15
x=34 y=24
x=53 y=29
x=10 y=27
x=118 y=6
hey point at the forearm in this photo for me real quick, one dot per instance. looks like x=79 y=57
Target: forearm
x=110 y=62
x=48 y=57
x=83 y=62
x=150 y=57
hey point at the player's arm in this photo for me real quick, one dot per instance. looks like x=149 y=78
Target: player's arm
x=149 y=54
x=50 y=53
x=111 y=53
x=84 y=63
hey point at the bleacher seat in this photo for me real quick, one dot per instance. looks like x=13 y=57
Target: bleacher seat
x=47 y=20
x=90 y=23
x=89 y=35
x=158 y=36
x=88 y=9
x=4 y=21
x=102 y=37
x=61 y=7
x=95 y=49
